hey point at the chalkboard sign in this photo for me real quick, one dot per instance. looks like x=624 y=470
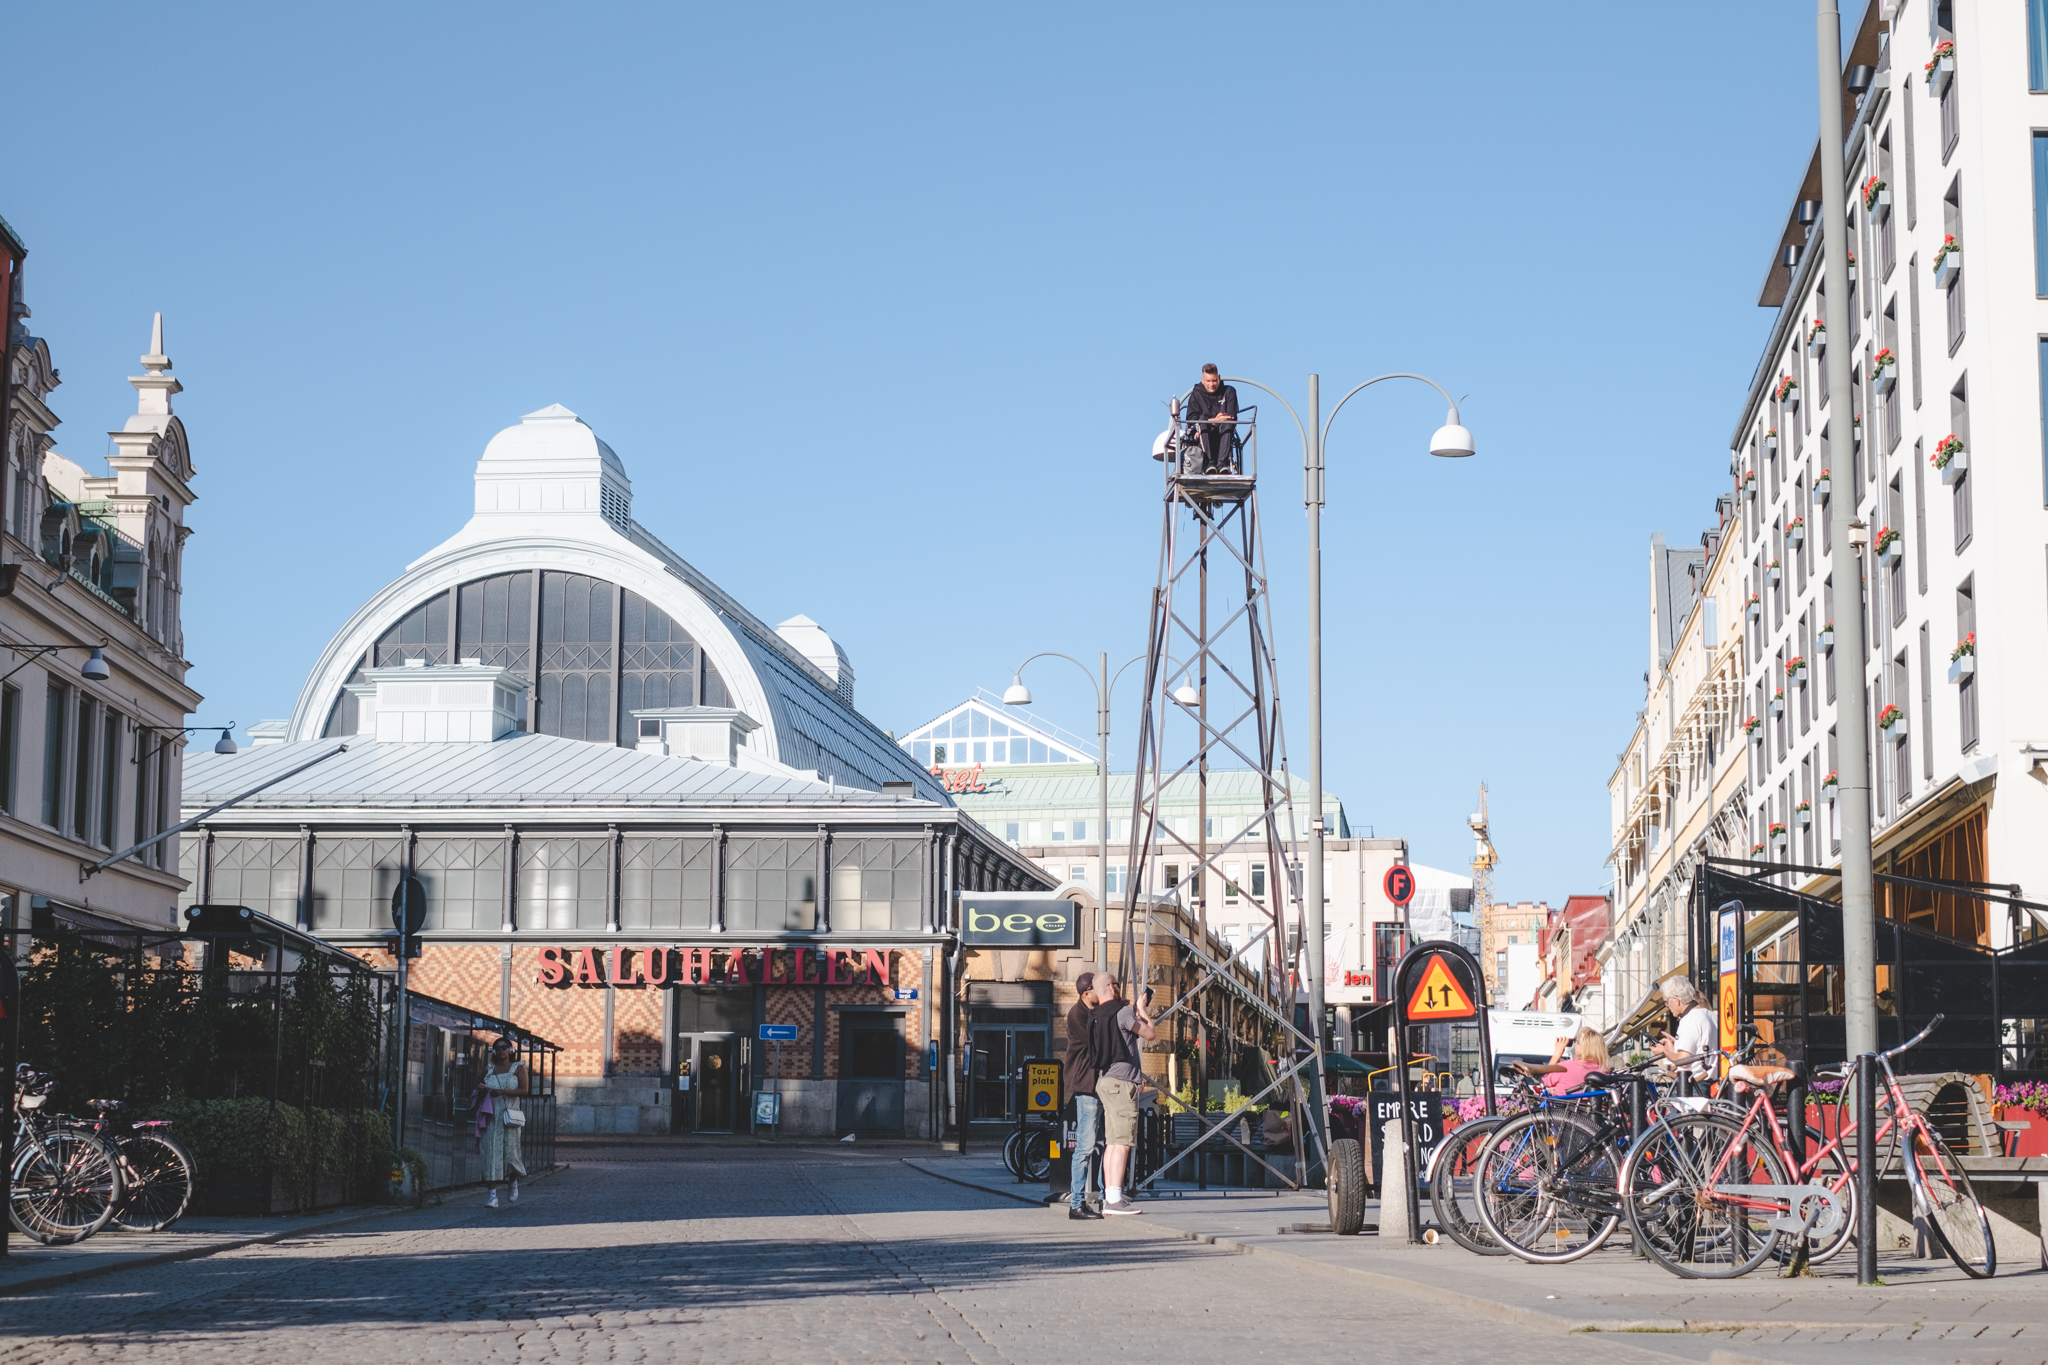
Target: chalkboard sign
x=1428 y=1113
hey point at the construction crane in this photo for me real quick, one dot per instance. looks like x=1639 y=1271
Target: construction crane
x=1483 y=861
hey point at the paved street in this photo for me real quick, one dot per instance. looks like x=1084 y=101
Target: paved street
x=745 y=1255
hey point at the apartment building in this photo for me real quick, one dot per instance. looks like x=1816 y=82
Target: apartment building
x=1940 y=444
x=92 y=649
x=1507 y=951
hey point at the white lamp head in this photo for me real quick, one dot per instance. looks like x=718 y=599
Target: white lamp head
x=1162 y=444
x=95 y=667
x=1186 y=694
x=227 y=743
x=1451 y=441
x=1017 y=694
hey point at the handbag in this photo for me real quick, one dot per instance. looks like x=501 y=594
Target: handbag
x=515 y=1118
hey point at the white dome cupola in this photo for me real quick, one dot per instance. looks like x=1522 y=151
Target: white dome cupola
x=552 y=463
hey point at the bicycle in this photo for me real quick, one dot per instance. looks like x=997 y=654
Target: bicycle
x=1547 y=1183
x=1453 y=1196
x=158 y=1172
x=1678 y=1183
x=67 y=1181
x=1028 y=1152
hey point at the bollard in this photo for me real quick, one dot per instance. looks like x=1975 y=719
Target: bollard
x=1397 y=1192
x=1866 y=1169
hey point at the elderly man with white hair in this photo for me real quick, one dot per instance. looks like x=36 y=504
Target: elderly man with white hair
x=1695 y=1040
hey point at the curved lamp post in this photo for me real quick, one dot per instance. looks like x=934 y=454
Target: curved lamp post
x=1017 y=694
x=1451 y=441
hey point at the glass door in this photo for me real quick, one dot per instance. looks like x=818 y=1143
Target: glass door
x=708 y=1081
x=995 y=1068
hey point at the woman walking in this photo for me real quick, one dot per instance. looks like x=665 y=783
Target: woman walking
x=499 y=1119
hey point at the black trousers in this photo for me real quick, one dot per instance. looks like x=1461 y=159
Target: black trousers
x=1212 y=450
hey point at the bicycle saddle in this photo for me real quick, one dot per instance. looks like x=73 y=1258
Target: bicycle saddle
x=1766 y=1074
x=1607 y=1078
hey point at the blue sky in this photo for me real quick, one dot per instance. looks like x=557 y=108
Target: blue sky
x=879 y=304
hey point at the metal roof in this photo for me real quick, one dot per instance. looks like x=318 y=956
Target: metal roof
x=526 y=770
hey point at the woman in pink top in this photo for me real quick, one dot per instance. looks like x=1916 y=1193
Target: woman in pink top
x=1563 y=1076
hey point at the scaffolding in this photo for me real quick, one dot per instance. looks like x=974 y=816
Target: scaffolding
x=1210 y=627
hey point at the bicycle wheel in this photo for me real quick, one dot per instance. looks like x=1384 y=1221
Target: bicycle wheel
x=159 y=1175
x=1950 y=1204
x=1034 y=1155
x=1682 y=1187
x=66 y=1184
x=1011 y=1151
x=1453 y=1195
x=1546 y=1187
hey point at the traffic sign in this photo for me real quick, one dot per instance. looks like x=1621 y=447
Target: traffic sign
x=1041 y=1087
x=1438 y=996
x=1399 y=884
x=778 y=1033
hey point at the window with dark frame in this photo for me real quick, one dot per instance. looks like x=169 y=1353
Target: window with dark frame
x=1959 y=483
x=1952 y=226
x=1966 y=687
x=10 y=741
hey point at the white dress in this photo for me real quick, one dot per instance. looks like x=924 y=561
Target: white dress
x=500 y=1145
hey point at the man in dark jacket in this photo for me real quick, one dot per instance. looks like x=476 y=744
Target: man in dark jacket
x=1212 y=406
x=1116 y=1030
x=1080 y=1072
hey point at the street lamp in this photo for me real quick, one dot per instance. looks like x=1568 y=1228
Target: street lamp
x=224 y=746
x=1451 y=441
x=94 y=669
x=1017 y=694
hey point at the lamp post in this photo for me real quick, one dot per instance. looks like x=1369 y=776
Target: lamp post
x=94 y=669
x=1017 y=694
x=1451 y=441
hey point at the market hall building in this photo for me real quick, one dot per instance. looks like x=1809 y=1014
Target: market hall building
x=645 y=822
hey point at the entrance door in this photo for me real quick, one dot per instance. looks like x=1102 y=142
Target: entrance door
x=870 y=1073
x=709 y=1084
x=999 y=1056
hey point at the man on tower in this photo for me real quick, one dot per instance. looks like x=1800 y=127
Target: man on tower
x=1211 y=406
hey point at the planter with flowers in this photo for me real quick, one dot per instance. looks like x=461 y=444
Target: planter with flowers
x=1787 y=393
x=1822 y=486
x=1778 y=702
x=1795 y=531
x=1829 y=785
x=1950 y=458
x=1884 y=370
x=1889 y=547
x=1795 y=669
x=1948 y=261
x=1755 y=850
x=1750 y=727
x=2024 y=1103
x=1962 y=660
x=1802 y=814
x=1826 y=638
x=1852 y=265
x=1755 y=606
x=1877 y=199
x=1817 y=338
x=1773 y=573
x=1892 y=720
x=1771 y=442
x=1778 y=834
x=1940 y=68
x=1749 y=481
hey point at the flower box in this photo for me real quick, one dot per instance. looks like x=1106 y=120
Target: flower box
x=1756 y=608
x=1957 y=466
x=1795 y=535
x=1961 y=667
x=1770 y=443
x=1796 y=670
x=1817 y=340
x=1891 y=722
x=1774 y=573
x=1948 y=267
x=1803 y=816
x=1883 y=380
x=1791 y=401
x=1777 y=707
x=1779 y=836
x=2031 y=1140
x=1826 y=640
x=1880 y=207
x=1893 y=551
x=1823 y=486
x=1941 y=70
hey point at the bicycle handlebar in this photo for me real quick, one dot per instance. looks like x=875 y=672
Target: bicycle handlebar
x=1916 y=1039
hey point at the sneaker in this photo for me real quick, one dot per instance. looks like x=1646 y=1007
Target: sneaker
x=1123 y=1208
x=515 y=1191
x=492 y=1202
x=1081 y=1213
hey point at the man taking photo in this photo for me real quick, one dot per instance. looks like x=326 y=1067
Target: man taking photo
x=1115 y=1029
x=1080 y=1072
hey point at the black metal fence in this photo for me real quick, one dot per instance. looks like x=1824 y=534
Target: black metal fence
x=446 y=1055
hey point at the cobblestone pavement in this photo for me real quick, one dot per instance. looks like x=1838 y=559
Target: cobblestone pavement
x=807 y=1255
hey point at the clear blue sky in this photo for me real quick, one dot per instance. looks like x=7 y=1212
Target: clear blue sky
x=878 y=305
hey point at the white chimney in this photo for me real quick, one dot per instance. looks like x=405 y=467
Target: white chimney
x=269 y=732
x=712 y=734
x=421 y=704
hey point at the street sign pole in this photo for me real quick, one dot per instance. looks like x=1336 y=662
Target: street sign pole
x=1427 y=989
x=775 y=1035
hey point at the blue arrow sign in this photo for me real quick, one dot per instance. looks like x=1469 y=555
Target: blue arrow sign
x=778 y=1033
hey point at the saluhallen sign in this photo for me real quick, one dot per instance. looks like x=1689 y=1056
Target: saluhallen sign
x=657 y=965
x=1018 y=921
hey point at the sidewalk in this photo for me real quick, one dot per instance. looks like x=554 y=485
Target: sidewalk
x=1610 y=1291
x=31 y=1266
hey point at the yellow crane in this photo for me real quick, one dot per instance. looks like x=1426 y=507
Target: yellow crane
x=1484 y=859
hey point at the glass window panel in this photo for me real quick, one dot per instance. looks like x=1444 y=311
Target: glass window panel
x=262 y=874
x=464 y=879
x=421 y=633
x=998 y=728
x=980 y=751
x=562 y=883
x=353 y=880
x=960 y=725
x=922 y=752
x=1037 y=751
x=665 y=883
x=1080 y=829
x=1058 y=757
x=1013 y=831
x=771 y=884
x=977 y=724
x=877 y=884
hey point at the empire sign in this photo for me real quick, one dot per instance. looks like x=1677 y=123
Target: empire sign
x=658 y=965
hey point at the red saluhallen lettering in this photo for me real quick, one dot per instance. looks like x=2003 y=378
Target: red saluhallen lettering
x=659 y=965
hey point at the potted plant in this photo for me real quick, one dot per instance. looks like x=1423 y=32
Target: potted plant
x=1787 y=392
x=1826 y=639
x=1950 y=458
x=1778 y=702
x=1749 y=481
x=1852 y=264
x=1802 y=814
x=1889 y=547
x=1795 y=530
x=1795 y=668
x=1884 y=369
x=1822 y=486
x=1773 y=572
x=1817 y=338
x=1771 y=441
x=1856 y=430
x=1948 y=261
x=1877 y=199
x=1829 y=785
x=2024 y=1103
x=1750 y=727
x=1778 y=834
x=1962 y=660
x=1755 y=606
x=1892 y=720
x=1755 y=850
x=1940 y=68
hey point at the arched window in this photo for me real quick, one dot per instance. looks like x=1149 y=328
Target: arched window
x=660 y=666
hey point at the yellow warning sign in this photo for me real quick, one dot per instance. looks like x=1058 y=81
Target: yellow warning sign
x=1439 y=996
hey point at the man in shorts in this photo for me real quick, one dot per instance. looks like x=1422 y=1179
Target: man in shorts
x=1080 y=1072
x=1115 y=1030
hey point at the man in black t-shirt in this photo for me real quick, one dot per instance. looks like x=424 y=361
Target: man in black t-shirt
x=1212 y=406
x=1115 y=1029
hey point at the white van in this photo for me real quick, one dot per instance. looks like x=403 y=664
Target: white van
x=1526 y=1036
